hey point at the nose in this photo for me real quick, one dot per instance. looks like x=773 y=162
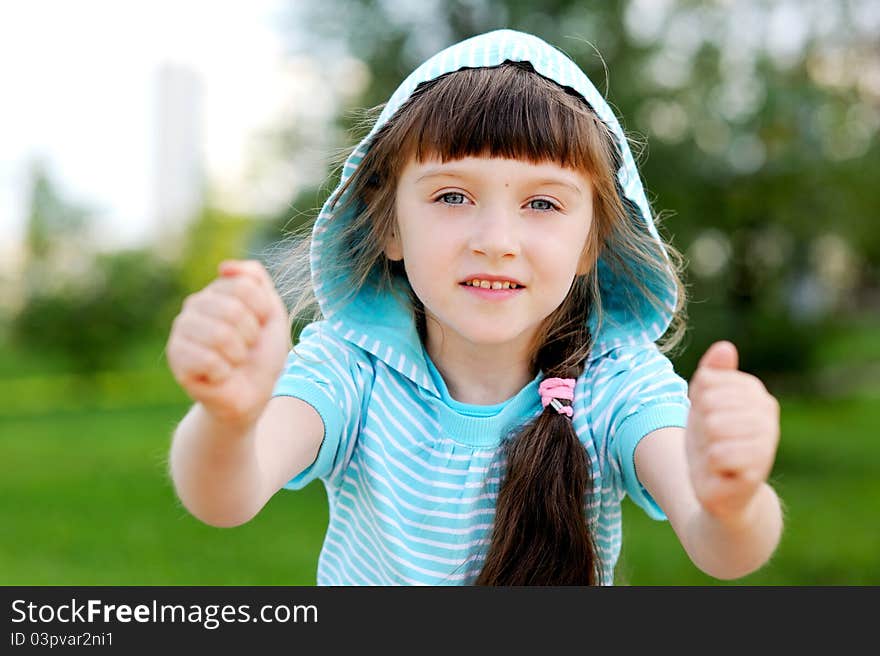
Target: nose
x=495 y=233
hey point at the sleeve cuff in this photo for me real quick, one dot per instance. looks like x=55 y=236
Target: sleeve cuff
x=317 y=397
x=630 y=433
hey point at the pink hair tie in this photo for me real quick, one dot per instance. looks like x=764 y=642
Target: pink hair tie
x=551 y=389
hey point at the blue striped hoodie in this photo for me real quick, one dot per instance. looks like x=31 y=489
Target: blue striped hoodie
x=411 y=474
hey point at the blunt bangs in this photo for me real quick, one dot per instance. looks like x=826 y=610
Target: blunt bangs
x=508 y=111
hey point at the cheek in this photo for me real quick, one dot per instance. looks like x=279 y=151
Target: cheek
x=556 y=254
x=426 y=244
x=555 y=264
x=427 y=241
x=427 y=256
x=429 y=266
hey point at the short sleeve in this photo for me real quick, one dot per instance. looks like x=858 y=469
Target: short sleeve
x=640 y=393
x=323 y=371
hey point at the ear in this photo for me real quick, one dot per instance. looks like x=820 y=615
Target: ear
x=394 y=247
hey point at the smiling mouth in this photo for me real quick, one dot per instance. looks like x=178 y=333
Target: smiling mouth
x=491 y=285
x=489 y=295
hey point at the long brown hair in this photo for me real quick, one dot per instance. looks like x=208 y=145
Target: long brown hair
x=541 y=534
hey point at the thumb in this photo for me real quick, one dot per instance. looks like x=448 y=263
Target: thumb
x=229 y=268
x=721 y=355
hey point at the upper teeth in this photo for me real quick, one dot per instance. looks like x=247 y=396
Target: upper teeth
x=496 y=284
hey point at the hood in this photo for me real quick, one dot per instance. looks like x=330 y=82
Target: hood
x=382 y=325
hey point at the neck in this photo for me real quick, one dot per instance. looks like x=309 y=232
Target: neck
x=481 y=374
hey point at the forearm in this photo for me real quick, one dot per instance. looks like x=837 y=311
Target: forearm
x=215 y=469
x=730 y=550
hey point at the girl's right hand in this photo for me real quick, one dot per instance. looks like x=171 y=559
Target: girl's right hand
x=229 y=343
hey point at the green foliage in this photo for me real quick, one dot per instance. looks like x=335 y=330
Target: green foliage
x=769 y=341
x=215 y=235
x=81 y=307
x=774 y=156
x=51 y=218
x=90 y=321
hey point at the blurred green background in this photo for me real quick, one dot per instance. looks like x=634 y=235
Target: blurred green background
x=759 y=126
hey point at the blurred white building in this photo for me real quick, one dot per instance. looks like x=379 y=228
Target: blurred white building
x=178 y=159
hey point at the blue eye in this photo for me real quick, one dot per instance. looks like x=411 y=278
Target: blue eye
x=547 y=205
x=458 y=198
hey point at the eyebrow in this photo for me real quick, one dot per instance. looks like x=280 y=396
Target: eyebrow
x=451 y=173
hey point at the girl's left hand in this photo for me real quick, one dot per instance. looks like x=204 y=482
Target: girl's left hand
x=731 y=436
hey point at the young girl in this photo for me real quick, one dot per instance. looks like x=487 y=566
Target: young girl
x=480 y=385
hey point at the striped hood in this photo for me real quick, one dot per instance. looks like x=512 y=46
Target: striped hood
x=381 y=324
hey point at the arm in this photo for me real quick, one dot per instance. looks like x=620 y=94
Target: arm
x=237 y=445
x=712 y=475
x=225 y=473
x=724 y=548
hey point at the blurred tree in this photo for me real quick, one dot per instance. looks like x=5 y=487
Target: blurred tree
x=215 y=235
x=56 y=233
x=52 y=219
x=755 y=125
x=82 y=306
x=91 y=321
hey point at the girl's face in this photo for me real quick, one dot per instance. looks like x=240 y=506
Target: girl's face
x=499 y=217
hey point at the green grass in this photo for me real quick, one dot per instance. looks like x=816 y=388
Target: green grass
x=148 y=353
x=826 y=475
x=87 y=501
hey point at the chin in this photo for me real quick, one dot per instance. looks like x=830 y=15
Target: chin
x=490 y=335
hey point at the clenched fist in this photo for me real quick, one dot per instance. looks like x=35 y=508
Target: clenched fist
x=229 y=343
x=732 y=433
